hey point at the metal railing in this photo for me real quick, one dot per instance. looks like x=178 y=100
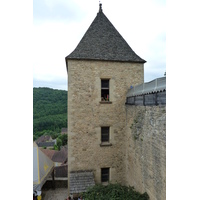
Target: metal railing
x=156 y=85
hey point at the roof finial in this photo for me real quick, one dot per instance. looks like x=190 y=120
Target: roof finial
x=100 y=6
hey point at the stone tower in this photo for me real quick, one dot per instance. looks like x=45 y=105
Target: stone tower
x=101 y=69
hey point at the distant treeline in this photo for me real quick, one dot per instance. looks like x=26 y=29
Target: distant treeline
x=49 y=111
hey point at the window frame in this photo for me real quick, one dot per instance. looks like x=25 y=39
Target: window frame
x=105 y=134
x=105 y=90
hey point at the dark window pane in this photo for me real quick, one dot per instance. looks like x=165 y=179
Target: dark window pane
x=105 y=129
x=104 y=174
x=105 y=90
x=105 y=95
x=104 y=83
x=105 y=137
x=105 y=134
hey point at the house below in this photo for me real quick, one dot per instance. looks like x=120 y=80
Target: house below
x=45 y=141
x=64 y=131
x=60 y=159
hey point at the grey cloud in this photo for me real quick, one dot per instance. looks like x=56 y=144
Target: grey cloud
x=67 y=10
x=156 y=58
x=159 y=42
x=161 y=37
x=58 y=83
x=152 y=75
x=160 y=2
x=154 y=69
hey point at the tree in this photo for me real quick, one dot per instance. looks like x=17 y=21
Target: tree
x=64 y=139
x=59 y=143
x=49 y=111
x=55 y=147
x=34 y=137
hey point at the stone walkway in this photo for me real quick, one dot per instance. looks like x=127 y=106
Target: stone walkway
x=57 y=194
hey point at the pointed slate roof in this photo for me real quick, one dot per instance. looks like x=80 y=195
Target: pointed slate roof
x=103 y=42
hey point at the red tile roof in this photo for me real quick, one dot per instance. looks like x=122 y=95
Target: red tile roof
x=43 y=138
x=48 y=152
x=60 y=156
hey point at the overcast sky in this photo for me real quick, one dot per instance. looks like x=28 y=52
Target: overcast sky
x=59 y=25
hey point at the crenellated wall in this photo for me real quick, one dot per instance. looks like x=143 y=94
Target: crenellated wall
x=146 y=150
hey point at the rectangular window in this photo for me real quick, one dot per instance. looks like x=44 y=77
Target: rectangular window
x=105 y=175
x=104 y=89
x=105 y=134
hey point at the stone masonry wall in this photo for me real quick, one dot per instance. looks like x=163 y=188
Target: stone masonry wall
x=86 y=115
x=146 y=150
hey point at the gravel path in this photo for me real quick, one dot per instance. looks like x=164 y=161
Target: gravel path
x=57 y=194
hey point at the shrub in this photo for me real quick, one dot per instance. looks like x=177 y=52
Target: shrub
x=113 y=192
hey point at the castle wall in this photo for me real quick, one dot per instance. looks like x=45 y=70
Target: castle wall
x=86 y=115
x=146 y=150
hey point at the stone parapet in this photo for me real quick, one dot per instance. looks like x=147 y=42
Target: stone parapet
x=146 y=149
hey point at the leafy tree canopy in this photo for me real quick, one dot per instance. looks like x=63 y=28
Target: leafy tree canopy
x=59 y=143
x=49 y=112
x=64 y=139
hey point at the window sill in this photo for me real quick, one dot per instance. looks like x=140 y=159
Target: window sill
x=105 y=144
x=105 y=102
x=105 y=183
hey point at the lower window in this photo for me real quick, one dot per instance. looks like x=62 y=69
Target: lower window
x=105 y=174
x=105 y=134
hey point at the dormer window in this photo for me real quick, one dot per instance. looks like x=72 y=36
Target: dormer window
x=105 y=90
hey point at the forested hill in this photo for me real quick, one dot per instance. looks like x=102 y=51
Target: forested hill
x=49 y=111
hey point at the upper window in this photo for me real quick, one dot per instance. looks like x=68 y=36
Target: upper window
x=105 y=90
x=104 y=175
x=105 y=134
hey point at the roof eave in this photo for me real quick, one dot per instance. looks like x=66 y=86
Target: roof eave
x=96 y=59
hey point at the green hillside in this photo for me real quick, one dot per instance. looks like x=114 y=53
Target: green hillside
x=49 y=111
